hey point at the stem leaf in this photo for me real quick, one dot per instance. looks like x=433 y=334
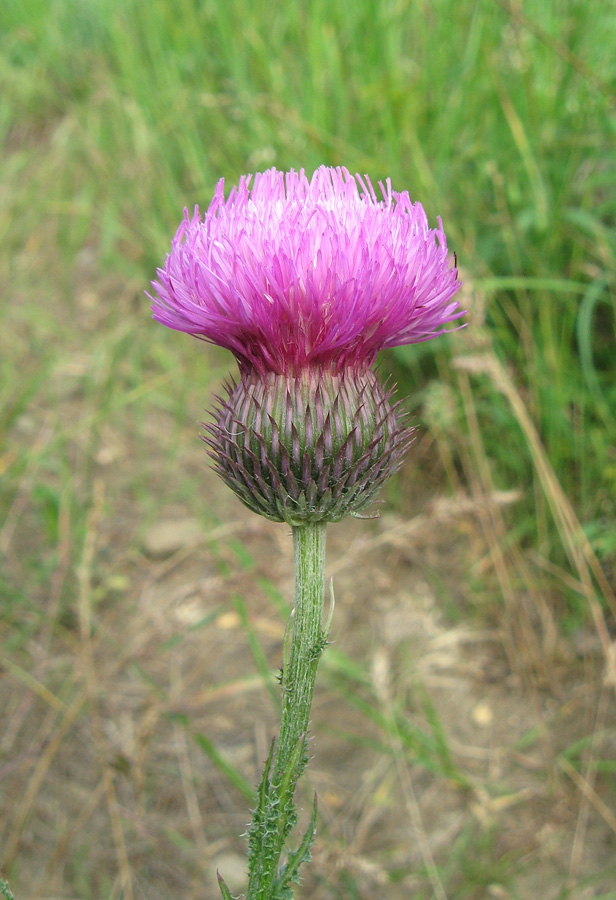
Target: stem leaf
x=224 y=890
x=290 y=872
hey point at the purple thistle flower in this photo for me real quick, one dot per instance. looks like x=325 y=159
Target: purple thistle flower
x=295 y=273
x=305 y=281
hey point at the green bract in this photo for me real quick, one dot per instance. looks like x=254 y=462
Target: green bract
x=314 y=447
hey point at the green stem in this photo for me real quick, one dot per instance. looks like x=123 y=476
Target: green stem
x=275 y=814
x=307 y=639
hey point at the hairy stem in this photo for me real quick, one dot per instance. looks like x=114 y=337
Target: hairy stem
x=307 y=640
x=275 y=814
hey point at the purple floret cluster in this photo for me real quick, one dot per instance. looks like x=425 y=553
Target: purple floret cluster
x=293 y=273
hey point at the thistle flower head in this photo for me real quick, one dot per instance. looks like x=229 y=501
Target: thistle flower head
x=305 y=280
x=293 y=273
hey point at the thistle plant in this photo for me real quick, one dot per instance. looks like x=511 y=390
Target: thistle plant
x=304 y=281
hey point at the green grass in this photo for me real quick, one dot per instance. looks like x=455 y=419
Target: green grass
x=115 y=115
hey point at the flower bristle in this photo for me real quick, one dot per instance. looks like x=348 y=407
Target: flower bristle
x=295 y=272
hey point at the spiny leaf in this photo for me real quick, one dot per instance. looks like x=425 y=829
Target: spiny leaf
x=224 y=890
x=290 y=873
x=280 y=818
x=257 y=829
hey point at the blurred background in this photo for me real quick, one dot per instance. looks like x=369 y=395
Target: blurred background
x=464 y=742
